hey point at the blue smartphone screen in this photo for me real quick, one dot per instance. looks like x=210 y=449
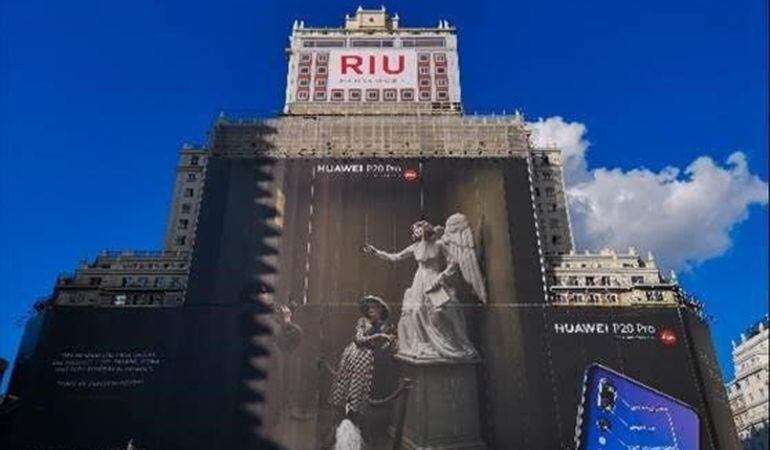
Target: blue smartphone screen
x=621 y=413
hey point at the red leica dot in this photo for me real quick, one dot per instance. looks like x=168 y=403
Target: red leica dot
x=410 y=175
x=667 y=337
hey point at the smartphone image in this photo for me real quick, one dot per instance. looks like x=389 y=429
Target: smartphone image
x=618 y=412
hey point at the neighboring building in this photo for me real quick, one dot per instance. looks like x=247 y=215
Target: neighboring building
x=608 y=278
x=188 y=186
x=144 y=278
x=551 y=202
x=748 y=392
x=126 y=279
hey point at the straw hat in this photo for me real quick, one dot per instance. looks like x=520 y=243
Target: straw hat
x=368 y=299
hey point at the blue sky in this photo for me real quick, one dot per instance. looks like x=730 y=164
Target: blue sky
x=96 y=98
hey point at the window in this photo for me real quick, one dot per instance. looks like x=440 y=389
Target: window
x=549 y=191
x=180 y=240
x=612 y=298
x=442 y=95
x=94 y=281
x=192 y=177
x=323 y=43
x=320 y=82
x=424 y=70
x=194 y=160
x=604 y=280
x=439 y=57
x=389 y=94
x=424 y=95
x=553 y=223
x=183 y=224
x=553 y=206
x=322 y=58
x=637 y=279
x=338 y=95
x=186 y=208
x=304 y=70
x=590 y=281
x=424 y=82
x=303 y=95
x=319 y=95
x=537 y=192
x=305 y=57
x=372 y=95
x=440 y=70
x=442 y=82
x=354 y=95
x=320 y=70
x=303 y=82
x=189 y=192
x=371 y=42
x=423 y=57
x=423 y=42
x=407 y=94
x=555 y=239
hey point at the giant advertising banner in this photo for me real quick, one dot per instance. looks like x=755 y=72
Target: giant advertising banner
x=412 y=314
x=408 y=311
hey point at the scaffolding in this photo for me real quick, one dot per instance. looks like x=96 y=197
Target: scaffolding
x=372 y=136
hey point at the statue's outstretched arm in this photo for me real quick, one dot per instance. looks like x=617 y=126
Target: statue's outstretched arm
x=403 y=254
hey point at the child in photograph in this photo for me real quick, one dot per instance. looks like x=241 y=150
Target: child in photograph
x=353 y=379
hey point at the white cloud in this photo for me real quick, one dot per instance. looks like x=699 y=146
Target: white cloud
x=683 y=217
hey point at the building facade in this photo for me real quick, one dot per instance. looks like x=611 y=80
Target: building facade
x=118 y=279
x=609 y=278
x=748 y=392
x=372 y=144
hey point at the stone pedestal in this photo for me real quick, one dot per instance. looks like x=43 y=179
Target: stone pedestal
x=442 y=411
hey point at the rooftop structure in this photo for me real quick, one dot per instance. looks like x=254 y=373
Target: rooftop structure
x=372 y=65
x=125 y=279
x=608 y=278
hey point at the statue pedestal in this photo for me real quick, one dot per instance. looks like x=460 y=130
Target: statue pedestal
x=442 y=411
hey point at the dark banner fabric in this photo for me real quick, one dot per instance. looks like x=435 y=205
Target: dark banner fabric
x=161 y=378
x=407 y=310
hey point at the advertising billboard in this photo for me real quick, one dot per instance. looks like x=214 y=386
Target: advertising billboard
x=411 y=295
x=408 y=311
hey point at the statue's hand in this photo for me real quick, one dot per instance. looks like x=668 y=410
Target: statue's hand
x=369 y=249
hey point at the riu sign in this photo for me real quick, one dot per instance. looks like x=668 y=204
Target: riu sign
x=357 y=64
x=372 y=68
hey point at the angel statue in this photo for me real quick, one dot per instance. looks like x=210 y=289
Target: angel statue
x=432 y=324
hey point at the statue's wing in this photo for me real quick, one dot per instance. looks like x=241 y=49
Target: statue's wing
x=458 y=238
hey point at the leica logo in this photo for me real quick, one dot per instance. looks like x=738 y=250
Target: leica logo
x=667 y=337
x=410 y=175
x=373 y=64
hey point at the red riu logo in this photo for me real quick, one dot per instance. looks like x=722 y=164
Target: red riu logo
x=410 y=175
x=371 y=65
x=667 y=337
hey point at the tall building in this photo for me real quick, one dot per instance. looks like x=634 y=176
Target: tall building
x=325 y=76
x=748 y=392
x=185 y=202
x=500 y=319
